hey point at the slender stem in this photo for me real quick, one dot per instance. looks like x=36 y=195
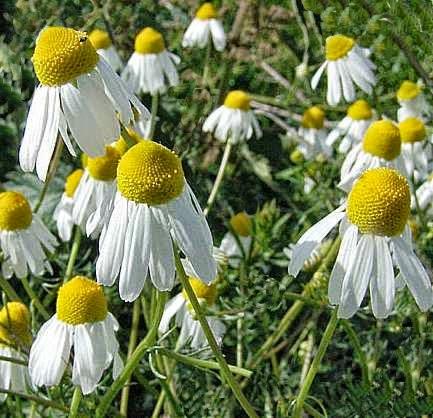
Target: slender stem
x=75 y=404
x=73 y=255
x=207 y=62
x=219 y=177
x=34 y=298
x=158 y=406
x=225 y=371
x=315 y=365
x=418 y=207
x=130 y=141
x=176 y=410
x=13 y=360
x=131 y=347
x=41 y=401
x=8 y=289
x=153 y=114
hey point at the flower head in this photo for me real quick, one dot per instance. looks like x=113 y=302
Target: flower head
x=338 y=46
x=383 y=140
x=15 y=211
x=359 y=110
x=72 y=182
x=408 y=90
x=238 y=99
x=206 y=11
x=15 y=325
x=149 y=41
x=412 y=130
x=313 y=118
x=100 y=39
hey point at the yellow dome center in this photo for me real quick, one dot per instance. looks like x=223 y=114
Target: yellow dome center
x=72 y=182
x=206 y=11
x=408 y=90
x=15 y=325
x=62 y=54
x=81 y=301
x=149 y=41
x=382 y=139
x=15 y=211
x=412 y=130
x=379 y=202
x=313 y=118
x=360 y=110
x=150 y=173
x=104 y=168
x=241 y=224
x=238 y=99
x=100 y=39
x=202 y=291
x=338 y=46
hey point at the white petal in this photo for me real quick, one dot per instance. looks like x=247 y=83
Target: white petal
x=316 y=78
x=171 y=309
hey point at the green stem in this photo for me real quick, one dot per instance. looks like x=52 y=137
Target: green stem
x=73 y=255
x=206 y=63
x=158 y=406
x=75 y=404
x=13 y=360
x=34 y=298
x=418 y=207
x=315 y=365
x=45 y=402
x=8 y=289
x=225 y=371
x=153 y=114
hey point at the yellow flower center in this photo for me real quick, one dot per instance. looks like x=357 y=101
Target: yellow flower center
x=382 y=139
x=241 y=223
x=238 y=99
x=206 y=11
x=15 y=211
x=104 y=168
x=62 y=54
x=313 y=118
x=338 y=46
x=412 y=130
x=150 y=173
x=72 y=182
x=100 y=39
x=202 y=290
x=379 y=202
x=408 y=90
x=81 y=301
x=149 y=41
x=15 y=325
x=360 y=110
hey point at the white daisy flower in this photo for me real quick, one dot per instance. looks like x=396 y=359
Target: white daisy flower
x=105 y=48
x=79 y=93
x=233 y=121
x=204 y=26
x=22 y=237
x=63 y=212
x=374 y=231
x=381 y=147
x=352 y=127
x=346 y=63
x=190 y=328
x=151 y=68
x=82 y=321
x=15 y=340
x=312 y=134
x=153 y=204
x=412 y=101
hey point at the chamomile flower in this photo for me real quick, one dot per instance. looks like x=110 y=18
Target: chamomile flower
x=204 y=26
x=15 y=340
x=374 y=231
x=234 y=121
x=105 y=48
x=79 y=93
x=312 y=134
x=153 y=204
x=412 y=101
x=381 y=147
x=81 y=321
x=22 y=237
x=151 y=68
x=352 y=127
x=63 y=212
x=190 y=328
x=346 y=63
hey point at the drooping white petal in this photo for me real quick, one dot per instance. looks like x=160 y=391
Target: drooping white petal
x=171 y=308
x=316 y=78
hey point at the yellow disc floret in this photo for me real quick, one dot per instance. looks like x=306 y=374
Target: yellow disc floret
x=149 y=41
x=412 y=130
x=338 y=46
x=379 y=202
x=359 y=110
x=15 y=325
x=62 y=54
x=104 y=168
x=72 y=182
x=238 y=99
x=382 y=139
x=206 y=11
x=15 y=211
x=81 y=301
x=150 y=173
x=202 y=290
x=100 y=39
x=313 y=118
x=241 y=223
x=408 y=90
